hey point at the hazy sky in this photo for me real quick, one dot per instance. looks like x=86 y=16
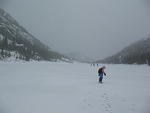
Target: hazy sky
x=95 y=28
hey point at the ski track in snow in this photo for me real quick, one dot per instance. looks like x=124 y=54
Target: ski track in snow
x=73 y=88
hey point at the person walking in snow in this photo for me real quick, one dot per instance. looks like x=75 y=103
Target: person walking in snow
x=101 y=73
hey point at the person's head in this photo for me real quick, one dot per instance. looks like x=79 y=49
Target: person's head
x=104 y=67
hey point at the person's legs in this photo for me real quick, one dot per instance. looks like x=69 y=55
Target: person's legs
x=100 y=79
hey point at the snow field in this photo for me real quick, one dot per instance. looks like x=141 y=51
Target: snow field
x=46 y=87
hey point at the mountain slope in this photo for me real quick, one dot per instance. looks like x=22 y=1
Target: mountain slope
x=76 y=56
x=18 y=42
x=138 y=52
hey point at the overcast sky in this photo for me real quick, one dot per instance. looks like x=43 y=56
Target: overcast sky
x=95 y=28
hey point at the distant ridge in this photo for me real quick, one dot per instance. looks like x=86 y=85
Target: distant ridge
x=136 y=53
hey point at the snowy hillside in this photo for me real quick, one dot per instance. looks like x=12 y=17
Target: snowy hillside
x=138 y=53
x=73 y=88
x=14 y=38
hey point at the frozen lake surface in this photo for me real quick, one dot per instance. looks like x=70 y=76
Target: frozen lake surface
x=73 y=88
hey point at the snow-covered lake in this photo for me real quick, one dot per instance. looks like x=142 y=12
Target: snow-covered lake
x=73 y=88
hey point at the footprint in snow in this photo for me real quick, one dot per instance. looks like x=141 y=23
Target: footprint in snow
x=107 y=103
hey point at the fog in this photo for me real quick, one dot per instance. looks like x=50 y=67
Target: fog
x=94 y=28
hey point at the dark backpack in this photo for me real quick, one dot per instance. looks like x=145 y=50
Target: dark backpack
x=100 y=71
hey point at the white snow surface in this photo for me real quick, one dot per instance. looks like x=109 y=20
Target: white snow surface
x=47 y=87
